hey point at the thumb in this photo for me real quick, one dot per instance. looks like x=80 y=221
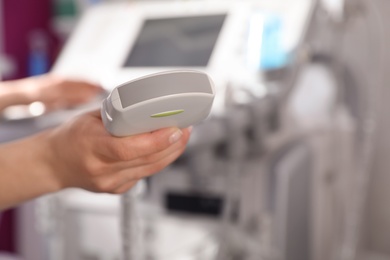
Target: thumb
x=95 y=113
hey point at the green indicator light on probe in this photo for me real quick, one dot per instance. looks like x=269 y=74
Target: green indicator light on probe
x=167 y=113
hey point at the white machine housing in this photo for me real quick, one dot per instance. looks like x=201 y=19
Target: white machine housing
x=108 y=45
x=101 y=43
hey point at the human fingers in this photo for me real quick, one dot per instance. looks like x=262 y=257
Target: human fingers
x=116 y=149
x=154 y=157
x=95 y=113
x=113 y=180
x=50 y=83
x=78 y=92
x=125 y=187
x=137 y=146
x=129 y=175
x=51 y=80
x=79 y=86
x=57 y=92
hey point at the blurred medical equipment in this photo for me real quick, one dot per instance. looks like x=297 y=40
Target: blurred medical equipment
x=280 y=170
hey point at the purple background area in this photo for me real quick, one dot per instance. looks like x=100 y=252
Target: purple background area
x=8 y=231
x=20 y=18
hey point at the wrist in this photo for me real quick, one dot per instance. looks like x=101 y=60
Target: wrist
x=26 y=170
x=47 y=167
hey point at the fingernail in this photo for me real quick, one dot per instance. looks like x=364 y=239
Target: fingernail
x=190 y=129
x=175 y=136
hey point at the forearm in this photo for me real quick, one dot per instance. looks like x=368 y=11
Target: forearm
x=25 y=170
x=11 y=93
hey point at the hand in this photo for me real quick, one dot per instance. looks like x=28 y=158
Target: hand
x=83 y=154
x=57 y=92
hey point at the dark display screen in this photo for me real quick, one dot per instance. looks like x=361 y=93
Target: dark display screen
x=176 y=42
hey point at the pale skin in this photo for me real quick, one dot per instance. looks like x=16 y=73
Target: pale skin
x=80 y=153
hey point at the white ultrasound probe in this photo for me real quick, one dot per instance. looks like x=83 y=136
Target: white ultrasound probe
x=168 y=99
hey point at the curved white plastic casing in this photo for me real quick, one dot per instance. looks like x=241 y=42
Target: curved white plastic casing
x=167 y=99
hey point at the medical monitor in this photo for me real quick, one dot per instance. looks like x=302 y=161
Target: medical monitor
x=120 y=41
x=176 y=42
x=117 y=42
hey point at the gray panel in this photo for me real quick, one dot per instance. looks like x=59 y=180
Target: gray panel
x=378 y=206
x=290 y=203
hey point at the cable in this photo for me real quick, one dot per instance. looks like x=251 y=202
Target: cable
x=126 y=225
x=132 y=230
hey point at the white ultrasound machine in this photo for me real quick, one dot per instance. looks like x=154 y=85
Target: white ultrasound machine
x=121 y=41
x=118 y=42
